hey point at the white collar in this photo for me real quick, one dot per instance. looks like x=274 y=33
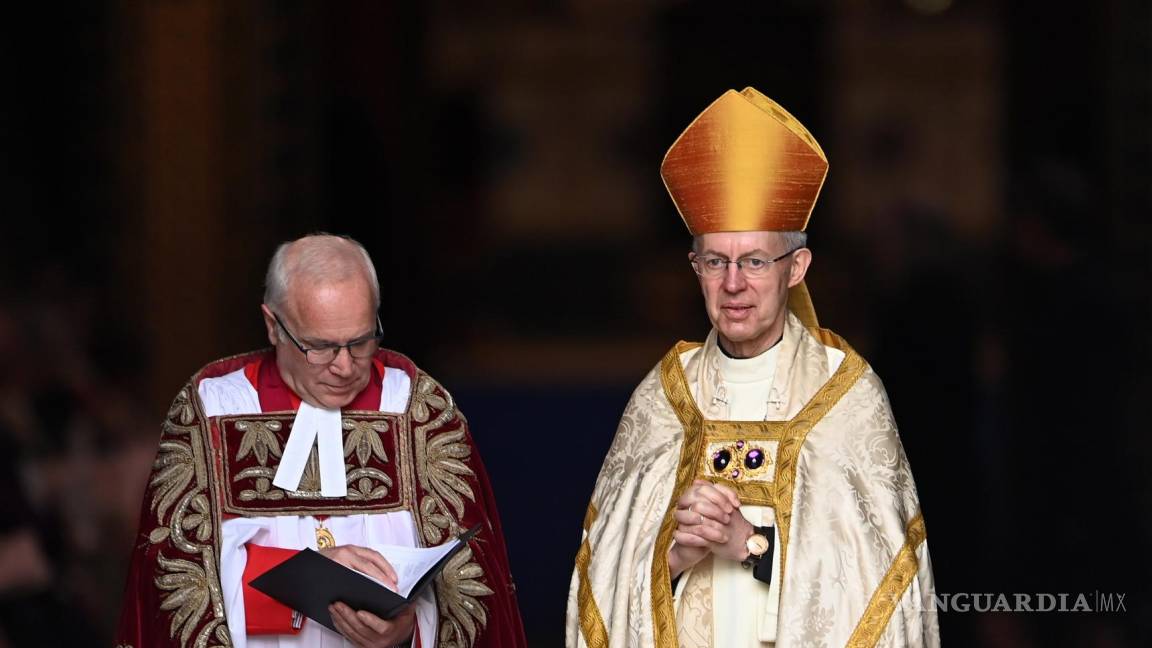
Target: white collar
x=749 y=370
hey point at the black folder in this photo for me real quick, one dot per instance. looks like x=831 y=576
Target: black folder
x=309 y=582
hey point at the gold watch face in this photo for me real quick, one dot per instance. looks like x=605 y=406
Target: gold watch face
x=757 y=544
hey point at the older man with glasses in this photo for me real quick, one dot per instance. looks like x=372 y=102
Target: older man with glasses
x=328 y=442
x=756 y=493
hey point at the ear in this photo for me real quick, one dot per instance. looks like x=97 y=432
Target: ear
x=801 y=259
x=270 y=324
x=699 y=278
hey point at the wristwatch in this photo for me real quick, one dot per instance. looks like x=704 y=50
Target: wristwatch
x=760 y=545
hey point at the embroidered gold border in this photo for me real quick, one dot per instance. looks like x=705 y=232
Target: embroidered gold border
x=676 y=390
x=754 y=493
x=438 y=452
x=186 y=567
x=792 y=433
x=591 y=623
x=292 y=505
x=798 y=427
x=891 y=588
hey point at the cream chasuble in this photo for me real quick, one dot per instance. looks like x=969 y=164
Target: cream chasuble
x=851 y=563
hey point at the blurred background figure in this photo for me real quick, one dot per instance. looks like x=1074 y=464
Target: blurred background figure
x=983 y=240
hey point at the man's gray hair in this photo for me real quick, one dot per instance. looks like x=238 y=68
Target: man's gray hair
x=319 y=257
x=793 y=240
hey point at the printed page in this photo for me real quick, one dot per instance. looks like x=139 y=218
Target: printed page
x=411 y=563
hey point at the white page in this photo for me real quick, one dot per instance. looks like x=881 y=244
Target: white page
x=411 y=563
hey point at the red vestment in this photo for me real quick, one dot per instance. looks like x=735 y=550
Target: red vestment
x=212 y=468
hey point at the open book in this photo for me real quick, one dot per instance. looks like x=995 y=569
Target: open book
x=309 y=582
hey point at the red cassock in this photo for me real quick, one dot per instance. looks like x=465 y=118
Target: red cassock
x=209 y=469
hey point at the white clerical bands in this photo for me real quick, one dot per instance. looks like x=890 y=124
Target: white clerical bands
x=321 y=427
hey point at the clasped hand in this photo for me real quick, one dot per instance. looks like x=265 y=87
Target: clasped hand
x=361 y=627
x=708 y=520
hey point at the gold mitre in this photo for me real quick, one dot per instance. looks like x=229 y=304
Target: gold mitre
x=744 y=165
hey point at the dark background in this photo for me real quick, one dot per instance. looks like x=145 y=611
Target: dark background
x=983 y=239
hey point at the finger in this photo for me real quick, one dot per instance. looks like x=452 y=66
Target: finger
x=342 y=618
x=709 y=492
x=712 y=511
x=689 y=539
x=688 y=517
x=729 y=493
x=686 y=498
x=338 y=623
x=373 y=623
x=691 y=494
x=711 y=534
x=381 y=563
x=372 y=563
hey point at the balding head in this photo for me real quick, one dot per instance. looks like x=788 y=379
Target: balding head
x=314 y=259
x=322 y=293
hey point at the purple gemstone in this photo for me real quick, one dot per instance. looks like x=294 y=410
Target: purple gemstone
x=754 y=459
x=739 y=445
x=721 y=459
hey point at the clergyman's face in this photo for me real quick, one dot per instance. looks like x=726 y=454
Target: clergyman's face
x=320 y=314
x=749 y=312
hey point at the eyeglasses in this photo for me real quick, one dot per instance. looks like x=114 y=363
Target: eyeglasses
x=325 y=353
x=713 y=266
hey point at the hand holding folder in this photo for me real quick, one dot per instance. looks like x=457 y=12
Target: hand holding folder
x=309 y=582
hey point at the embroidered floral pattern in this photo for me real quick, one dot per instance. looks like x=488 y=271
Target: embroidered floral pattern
x=445 y=468
x=425 y=397
x=362 y=484
x=442 y=451
x=172 y=471
x=181 y=412
x=263 y=485
x=184 y=527
x=187 y=596
x=260 y=438
x=372 y=477
x=199 y=520
x=363 y=438
x=462 y=613
x=437 y=524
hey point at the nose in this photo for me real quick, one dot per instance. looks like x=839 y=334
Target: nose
x=341 y=365
x=734 y=280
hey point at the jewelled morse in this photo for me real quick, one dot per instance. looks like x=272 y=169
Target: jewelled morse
x=739 y=461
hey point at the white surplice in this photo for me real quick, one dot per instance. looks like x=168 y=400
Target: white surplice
x=233 y=394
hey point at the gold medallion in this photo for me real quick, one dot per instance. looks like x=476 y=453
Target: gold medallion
x=324 y=537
